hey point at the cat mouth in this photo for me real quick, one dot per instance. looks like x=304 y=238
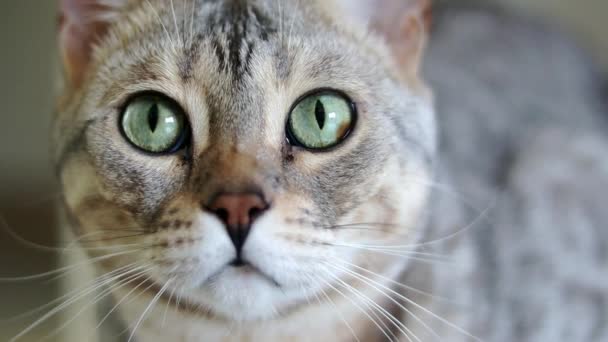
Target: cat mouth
x=243 y=269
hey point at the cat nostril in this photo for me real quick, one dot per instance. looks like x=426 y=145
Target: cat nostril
x=254 y=213
x=222 y=214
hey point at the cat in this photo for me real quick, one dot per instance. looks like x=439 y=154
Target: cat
x=240 y=170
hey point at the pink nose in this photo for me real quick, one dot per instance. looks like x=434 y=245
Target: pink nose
x=238 y=212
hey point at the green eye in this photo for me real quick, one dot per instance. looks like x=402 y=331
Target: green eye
x=321 y=120
x=155 y=124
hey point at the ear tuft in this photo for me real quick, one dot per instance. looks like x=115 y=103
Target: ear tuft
x=82 y=23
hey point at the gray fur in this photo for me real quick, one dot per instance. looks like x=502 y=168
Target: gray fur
x=523 y=140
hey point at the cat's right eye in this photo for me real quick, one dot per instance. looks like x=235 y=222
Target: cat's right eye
x=155 y=124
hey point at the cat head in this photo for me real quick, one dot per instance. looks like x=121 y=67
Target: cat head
x=246 y=154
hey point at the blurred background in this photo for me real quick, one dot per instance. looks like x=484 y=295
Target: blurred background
x=27 y=89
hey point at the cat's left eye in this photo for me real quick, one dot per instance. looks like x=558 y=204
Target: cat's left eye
x=154 y=124
x=321 y=120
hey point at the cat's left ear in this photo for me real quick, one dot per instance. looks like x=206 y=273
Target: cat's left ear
x=404 y=24
x=82 y=24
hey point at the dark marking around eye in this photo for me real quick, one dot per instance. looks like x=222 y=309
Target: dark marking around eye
x=153 y=118
x=320 y=114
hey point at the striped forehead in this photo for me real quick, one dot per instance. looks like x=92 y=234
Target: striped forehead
x=233 y=27
x=232 y=32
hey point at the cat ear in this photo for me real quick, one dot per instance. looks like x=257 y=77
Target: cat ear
x=82 y=24
x=405 y=25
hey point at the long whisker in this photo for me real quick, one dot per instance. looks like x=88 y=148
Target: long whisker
x=337 y=310
x=61 y=307
x=167 y=307
x=117 y=305
x=150 y=286
x=68 y=295
x=481 y=216
x=74 y=244
x=387 y=315
x=430 y=313
x=443 y=188
x=404 y=255
x=4 y=225
x=67 y=268
x=121 y=282
x=382 y=330
x=281 y=17
x=372 y=283
x=192 y=21
x=179 y=38
x=160 y=20
x=109 y=239
x=396 y=283
x=380 y=227
x=407 y=256
x=291 y=25
x=148 y=308
x=395 y=250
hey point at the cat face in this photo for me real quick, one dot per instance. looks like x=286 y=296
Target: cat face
x=246 y=155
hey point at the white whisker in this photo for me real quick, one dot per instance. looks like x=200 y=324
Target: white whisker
x=337 y=310
x=5 y=226
x=396 y=283
x=373 y=284
x=281 y=33
x=440 y=240
x=396 y=250
x=61 y=307
x=405 y=255
x=378 y=325
x=387 y=315
x=192 y=21
x=148 y=308
x=291 y=25
x=68 y=295
x=66 y=268
x=115 y=307
x=177 y=32
x=444 y=188
x=160 y=20
x=141 y=270
x=167 y=308
x=430 y=313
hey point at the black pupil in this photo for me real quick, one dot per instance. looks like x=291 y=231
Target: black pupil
x=320 y=114
x=153 y=117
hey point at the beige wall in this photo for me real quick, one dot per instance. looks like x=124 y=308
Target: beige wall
x=26 y=96
x=26 y=93
x=585 y=19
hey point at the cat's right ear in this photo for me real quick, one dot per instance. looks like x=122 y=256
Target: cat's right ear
x=82 y=24
x=404 y=24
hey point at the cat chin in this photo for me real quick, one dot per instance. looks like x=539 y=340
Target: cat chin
x=245 y=294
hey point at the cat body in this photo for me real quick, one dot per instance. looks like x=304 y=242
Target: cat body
x=523 y=168
x=346 y=239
